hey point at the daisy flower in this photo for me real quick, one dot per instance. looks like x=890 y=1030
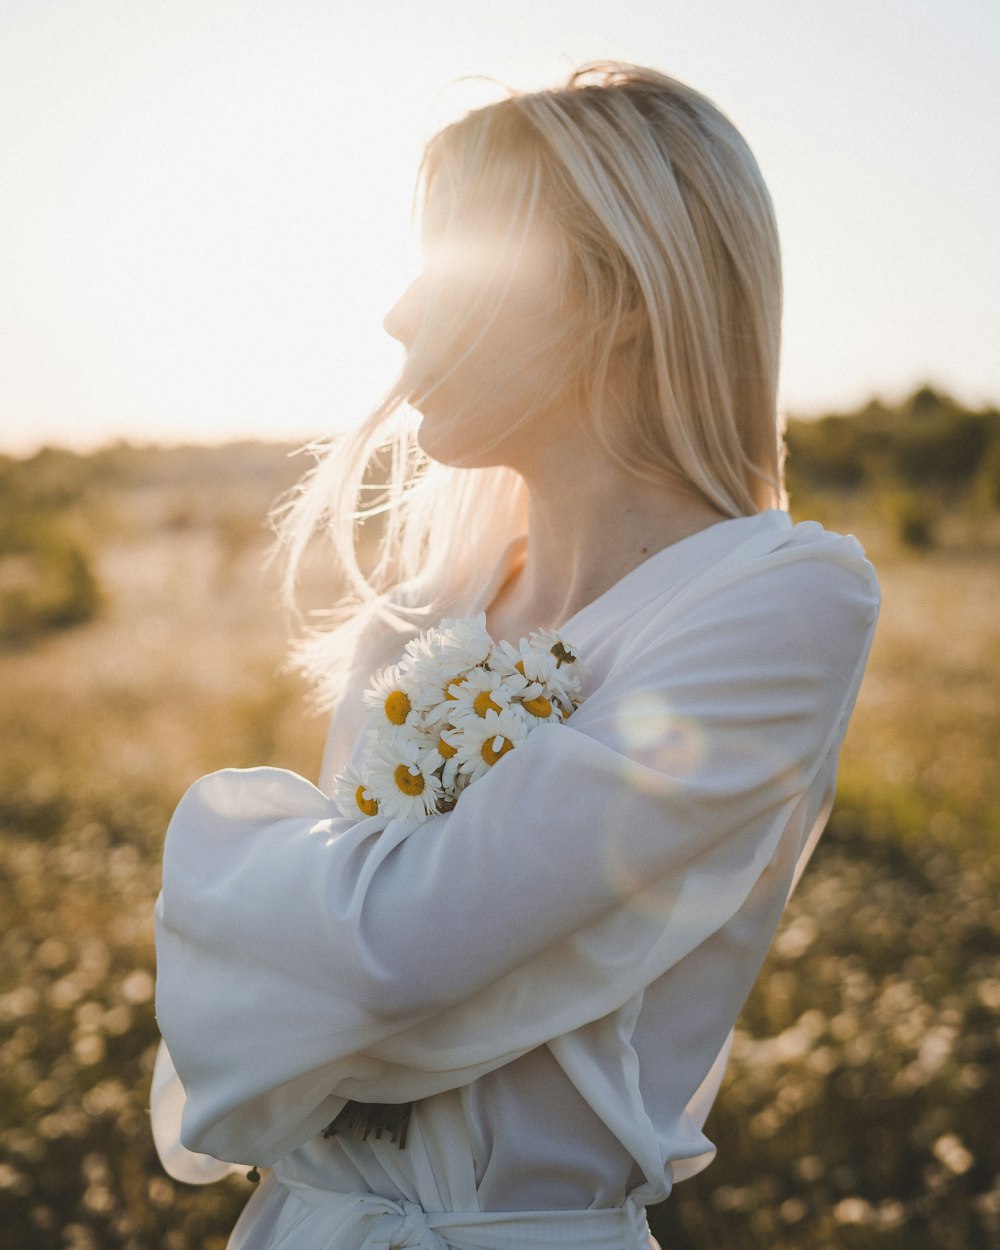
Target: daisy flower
x=441 y=656
x=428 y=685
x=391 y=695
x=540 y=703
x=454 y=645
x=401 y=775
x=479 y=691
x=487 y=739
x=354 y=798
x=543 y=658
x=447 y=746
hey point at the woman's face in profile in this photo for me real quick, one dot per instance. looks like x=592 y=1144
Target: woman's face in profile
x=482 y=325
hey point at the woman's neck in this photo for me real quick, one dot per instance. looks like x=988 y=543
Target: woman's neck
x=584 y=535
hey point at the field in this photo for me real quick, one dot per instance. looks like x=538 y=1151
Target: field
x=861 y=1105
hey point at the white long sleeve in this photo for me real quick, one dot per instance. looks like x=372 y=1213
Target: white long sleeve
x=303 y=960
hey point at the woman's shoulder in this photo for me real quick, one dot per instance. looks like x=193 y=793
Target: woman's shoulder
x=827 y=565
x=793 y=554
x=767 y=558
x=768 y=582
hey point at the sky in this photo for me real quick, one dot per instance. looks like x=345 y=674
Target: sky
x=205 y=204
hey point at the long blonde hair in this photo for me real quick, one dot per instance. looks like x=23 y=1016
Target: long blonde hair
x=667 y=230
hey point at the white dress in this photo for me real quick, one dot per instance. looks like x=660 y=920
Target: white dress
x=552 y=970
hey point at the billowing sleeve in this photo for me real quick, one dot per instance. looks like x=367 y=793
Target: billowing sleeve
x=304 y=960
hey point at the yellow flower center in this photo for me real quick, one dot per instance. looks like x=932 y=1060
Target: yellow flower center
x=455 y=681
x=490 y=755
x=483 y=704
x=520 y=668
x=368 y=806
x=397 y=707
x=539 y=707
x=445 y=749
x=407 y=782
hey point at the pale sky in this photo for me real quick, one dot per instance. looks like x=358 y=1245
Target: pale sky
x=204 y=204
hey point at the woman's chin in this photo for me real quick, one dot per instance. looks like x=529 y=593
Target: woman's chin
x=444 y=450
x=440 y=442
x=452 y=450
x=459 y=437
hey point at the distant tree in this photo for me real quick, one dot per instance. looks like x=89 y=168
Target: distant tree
x=925 y=401
x=915 y=519
x=47 y=577
x=928 y=442
x=47 y=580
x=945 y=447
x=986 y=488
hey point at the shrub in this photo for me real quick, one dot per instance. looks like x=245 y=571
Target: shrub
x=46 y=578
x=914 y=518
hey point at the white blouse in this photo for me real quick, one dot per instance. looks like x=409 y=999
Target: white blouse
x=552 y=970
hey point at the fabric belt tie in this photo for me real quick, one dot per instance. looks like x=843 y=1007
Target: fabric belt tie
x=372 y=1222
x=412 y=1232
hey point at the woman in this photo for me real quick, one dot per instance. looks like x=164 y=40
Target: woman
x=541 y=983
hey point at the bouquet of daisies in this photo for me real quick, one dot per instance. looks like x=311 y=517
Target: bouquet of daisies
x=453 y=706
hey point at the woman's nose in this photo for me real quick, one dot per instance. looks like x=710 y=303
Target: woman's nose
x=403 y=319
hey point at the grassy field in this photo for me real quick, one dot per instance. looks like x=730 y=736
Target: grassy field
x=860 y=1108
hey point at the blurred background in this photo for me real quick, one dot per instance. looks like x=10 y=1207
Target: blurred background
x=205 y=215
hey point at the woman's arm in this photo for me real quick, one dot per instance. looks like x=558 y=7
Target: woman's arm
x=301 y=957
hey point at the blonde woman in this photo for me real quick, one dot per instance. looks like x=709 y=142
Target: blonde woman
x=503 y=1026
